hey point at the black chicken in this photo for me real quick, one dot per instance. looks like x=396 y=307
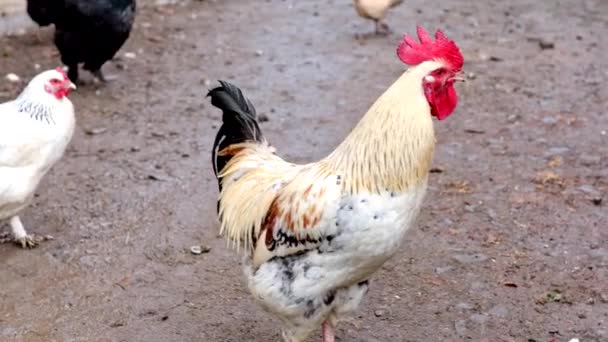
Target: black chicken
x=86 y=31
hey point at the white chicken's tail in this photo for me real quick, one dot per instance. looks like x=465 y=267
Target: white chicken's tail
x=239 y=122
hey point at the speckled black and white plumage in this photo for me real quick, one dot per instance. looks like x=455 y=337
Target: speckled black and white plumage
x=331 y=279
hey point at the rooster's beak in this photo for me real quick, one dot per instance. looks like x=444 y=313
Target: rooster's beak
x=459 y=77
x=72 y=86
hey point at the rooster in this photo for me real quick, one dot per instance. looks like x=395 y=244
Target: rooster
x=376 y=10
x=314 y=234
x=35 y=129
x=86 y=31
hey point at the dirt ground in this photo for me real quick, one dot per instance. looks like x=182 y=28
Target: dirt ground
x=512 y=243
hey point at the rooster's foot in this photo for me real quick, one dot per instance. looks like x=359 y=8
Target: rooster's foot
x=27 y=241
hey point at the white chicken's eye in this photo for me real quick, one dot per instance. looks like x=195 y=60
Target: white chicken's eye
x=55 y=81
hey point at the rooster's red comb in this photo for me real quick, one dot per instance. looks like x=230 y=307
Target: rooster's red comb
x=62 y=72
x=411 y=52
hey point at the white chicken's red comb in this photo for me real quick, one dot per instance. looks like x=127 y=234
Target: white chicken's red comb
x=411 y=52
x=62 y=72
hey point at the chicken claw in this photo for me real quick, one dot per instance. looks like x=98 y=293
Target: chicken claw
x=382 y=28
x=104 y=78
x=20 y=236
x=27 y=242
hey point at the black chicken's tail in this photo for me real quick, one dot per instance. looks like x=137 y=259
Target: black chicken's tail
x=239 y=122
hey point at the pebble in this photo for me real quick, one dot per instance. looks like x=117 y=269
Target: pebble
x=470 y=258
x=196 y=250
x=263 y=117
x=479 y=318
x=13 y=77
x=549 y=120
x=461 y=327
x=464 y=306
x=95 y=131
x=130 y=55
x=379 y=313
x=589 y=160
x=557 y=150
x=588 y=189
x=499 y=311
x=441 y=270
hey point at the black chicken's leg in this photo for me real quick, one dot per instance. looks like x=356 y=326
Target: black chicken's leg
x=73 y=73
x=103 y=78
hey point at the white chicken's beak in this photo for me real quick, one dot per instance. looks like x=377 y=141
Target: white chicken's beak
x=72 y=86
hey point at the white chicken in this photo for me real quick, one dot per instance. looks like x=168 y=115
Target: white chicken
x=35 y=129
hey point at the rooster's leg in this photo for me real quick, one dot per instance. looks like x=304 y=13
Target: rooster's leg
x=327 y=332
x=19 y=234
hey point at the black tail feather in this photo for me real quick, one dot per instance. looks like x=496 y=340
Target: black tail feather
x=239 y=122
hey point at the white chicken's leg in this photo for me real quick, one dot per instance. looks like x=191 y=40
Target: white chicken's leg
x=20 y=235
x=327 y=332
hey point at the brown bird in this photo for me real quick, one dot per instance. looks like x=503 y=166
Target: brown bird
x=376 y=10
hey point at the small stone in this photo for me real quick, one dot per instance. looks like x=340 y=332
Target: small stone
x=588 y=189
x=461 y=327
x=379 y=313
x=557 y=151
x=549 y=120
x=512 y=118
x=130 y=55
x=479 y=318
x=13 y=78
x=263 y=118
x=464 y=306
x=499 y=311
x=259 y=52
x=197 y=250
x=546 y=45
x=589 y=160
x=441 y=270
x=95 y=131
x=470 y=258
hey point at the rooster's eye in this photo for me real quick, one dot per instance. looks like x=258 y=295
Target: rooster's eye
x=55 y=81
